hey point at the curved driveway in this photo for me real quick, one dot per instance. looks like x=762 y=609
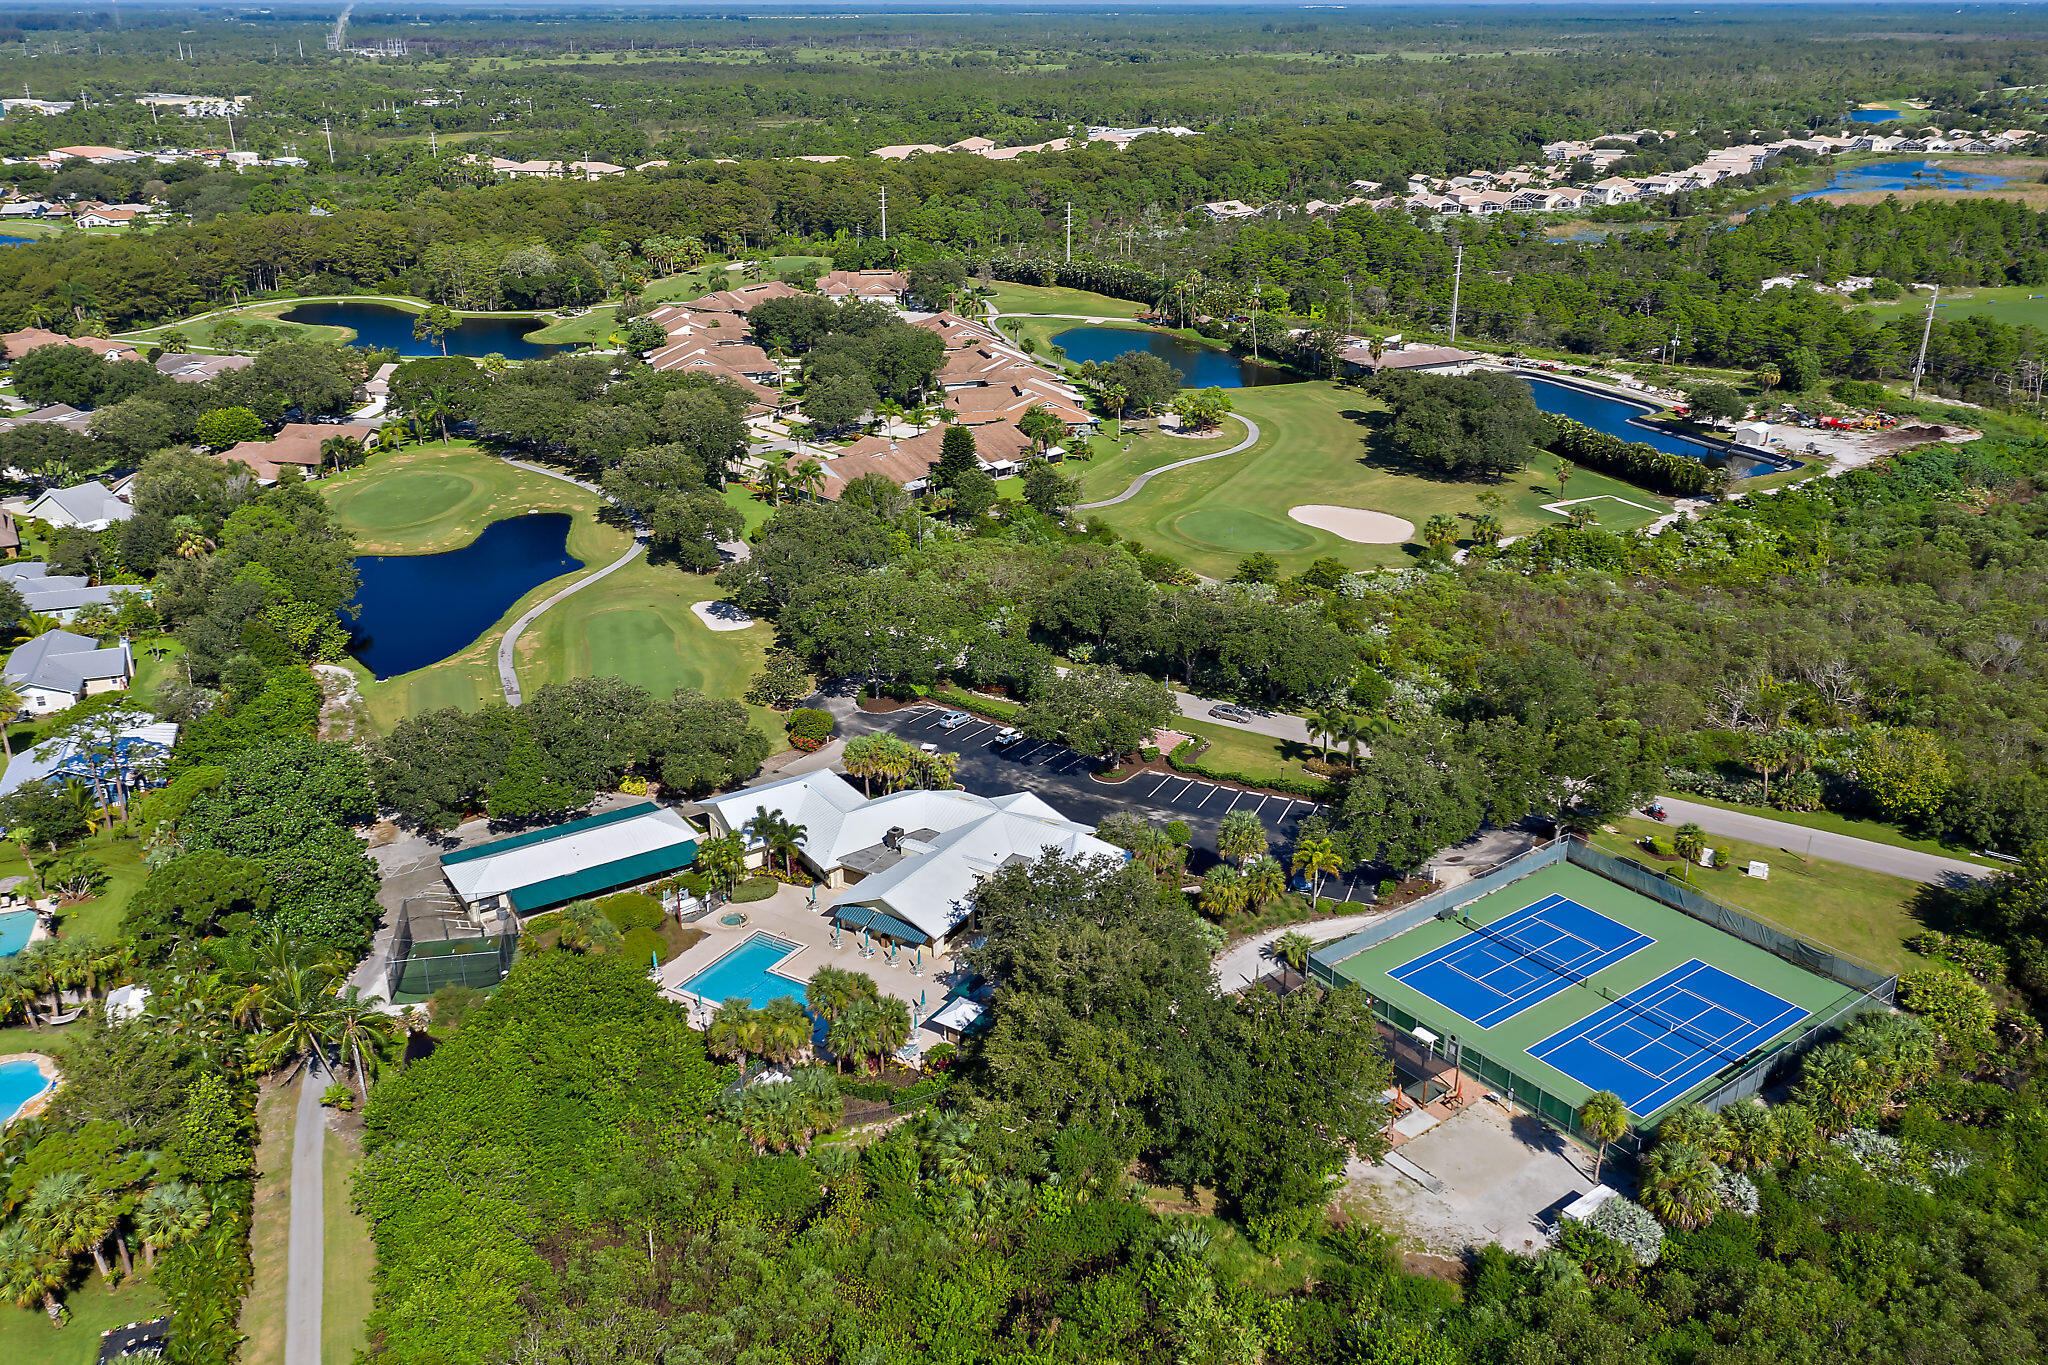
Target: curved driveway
x=1138 y=484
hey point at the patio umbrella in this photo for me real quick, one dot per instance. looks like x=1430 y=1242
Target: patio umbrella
x=864 y=939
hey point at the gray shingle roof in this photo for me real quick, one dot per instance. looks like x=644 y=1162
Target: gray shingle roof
x=65 y=662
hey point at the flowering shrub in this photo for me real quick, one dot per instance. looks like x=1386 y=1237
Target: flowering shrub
x=1630 y=1224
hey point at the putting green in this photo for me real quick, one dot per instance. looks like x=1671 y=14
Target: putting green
x=636 y=644
x=409 y=500
x=1237 y=530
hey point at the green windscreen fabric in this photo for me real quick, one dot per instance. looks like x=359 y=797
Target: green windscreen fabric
x=879 y=922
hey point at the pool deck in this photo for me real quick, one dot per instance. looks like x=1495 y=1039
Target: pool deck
x=788 y=915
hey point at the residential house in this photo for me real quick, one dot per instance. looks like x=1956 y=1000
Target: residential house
x=975 y=145
x=89 y=506
x=60 y=595
x=1612 y=190
x=58 y=669
x=31 y=106
x=1566 y=151
x=98 y=156
x=904 y=151
x=1227 y=210
x=879 y=286
x=106 y=218
x=904 y=867
x=136 y=760
x=19 y=344
x=747 y=362
x=908 y=461
x=743 y=299
x=297 y=444
x=63 y=414
x=1358 y=358
x=195 y=106
x=10 y=536
x=197 y=369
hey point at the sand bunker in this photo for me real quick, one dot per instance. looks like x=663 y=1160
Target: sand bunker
x=722 y=616
x=1354 y=523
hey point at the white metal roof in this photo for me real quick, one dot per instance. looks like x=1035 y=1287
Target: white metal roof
x=496 y=874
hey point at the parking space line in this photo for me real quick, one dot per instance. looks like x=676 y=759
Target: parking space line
x=1211 y=797
x=1263 y=799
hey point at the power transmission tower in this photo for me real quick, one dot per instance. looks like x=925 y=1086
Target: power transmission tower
x=885 y=213
x=1070 y=232
x=1457 y=284
x=1926 y=331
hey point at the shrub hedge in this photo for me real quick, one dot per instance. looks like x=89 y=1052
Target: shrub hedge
x=754 y=889
x=1632 y=460
x=642 y=945
x=809 y=728
x=631 y=910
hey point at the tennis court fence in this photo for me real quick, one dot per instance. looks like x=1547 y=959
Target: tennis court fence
x=1866 y=988
x=436 y=943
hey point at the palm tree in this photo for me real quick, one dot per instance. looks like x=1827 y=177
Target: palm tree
x=777 y=835
x=1324 y=723
x=300 y=1015
x=361 y=1027
x=1361 y=727
x=84 y=800
x=785 y=1030
x=1767 y=377
x=772 y=481
x=723 y=860
x=1680 y=1185
x=1688 y=842
x=1565 y=469
x=1223 y=891
x=1293 y=948
x=1241 y=837
x=1604 y=1119
x=888 y=1027
x=733 y=1033
x=809 y=476
x=1264 y=880
x=863 y=759
x=1316 y=859
x=70 y=1216
x=833 y=991
x=30 y=1273
x=169 y=1215
x=1440 y=533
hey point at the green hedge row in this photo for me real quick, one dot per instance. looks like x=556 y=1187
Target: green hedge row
x=1635 y=461
x=1313 y=788
x=890 y=1094
x=987 y=709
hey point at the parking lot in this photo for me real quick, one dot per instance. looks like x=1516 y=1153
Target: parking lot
x=1063 y=779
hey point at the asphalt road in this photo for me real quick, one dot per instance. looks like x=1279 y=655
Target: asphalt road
x=305 y=1270
x=1909 y=863
x=1063 y=779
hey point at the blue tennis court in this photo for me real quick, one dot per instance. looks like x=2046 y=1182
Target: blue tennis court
x=1500 y=969
x=1660 y=1040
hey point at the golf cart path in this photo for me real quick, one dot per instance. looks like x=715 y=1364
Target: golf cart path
x=508 y=677
x=306 y=1270
x=1138 y=484
x=1910 y=863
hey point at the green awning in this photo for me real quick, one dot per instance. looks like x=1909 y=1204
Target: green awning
x=640 y=867
x=550 y=833
x=879 y=922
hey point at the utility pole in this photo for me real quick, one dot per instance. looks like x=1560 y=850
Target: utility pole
x=1457 y=284
x=229 y=114
x=327 y=127
x=302 y=49
x=1070 y=232
x=1257 y=287
x=1926 y=331
x=885 y=213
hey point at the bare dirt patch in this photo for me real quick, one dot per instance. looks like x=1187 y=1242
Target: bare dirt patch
x=1359 y=525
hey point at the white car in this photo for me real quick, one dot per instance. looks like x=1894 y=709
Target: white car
x=1005 y=737
x=953 y=720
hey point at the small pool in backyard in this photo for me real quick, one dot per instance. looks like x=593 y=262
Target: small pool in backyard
x=747 y=973
x=415 y=610
x=15 y=927
x=21 y=1080
x=1203 y=366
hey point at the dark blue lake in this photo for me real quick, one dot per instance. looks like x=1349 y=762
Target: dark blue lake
x=1874 y=115
x=379 y=325
x=1203 y=367
x=415 y=610
x=1892 y=176
x=1618 y=417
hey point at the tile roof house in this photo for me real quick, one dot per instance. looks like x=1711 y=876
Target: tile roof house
x=63 y=414
x=60 y=595
x=743 y=299
x=976 y=145
x=904 y=151
x=905 y=866
x=58 y=669
x=20 y=343
x=296 y=444
x=90 y=506
x=908 y=461
x=883 y=286
x=1009 y=400
x=106 y=218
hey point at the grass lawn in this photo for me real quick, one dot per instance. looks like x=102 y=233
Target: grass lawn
x=429 y=498
x=27 y=1338
x=593 y=328
x=1236 y=751
x=270 y=1234
x=637 y=625
x=2014 y=305
x=1316 y=445
x=22 y=1038
x=350 y=1255
x=200 y=332
x=750 y=507
x=1872 y=830
x=1031 y=298
x=1865 y=913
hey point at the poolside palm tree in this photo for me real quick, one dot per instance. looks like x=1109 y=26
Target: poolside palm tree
x=1602 y=1118
x=1293 y=948
x=1264 y=880
x=833 y=991
x=1316 y=859
x=30 y=1273
x=169 y=1215
x=582 y=928
x=785 y=1030
x=734 y=1032
x=723 y=860
x=888 y=1027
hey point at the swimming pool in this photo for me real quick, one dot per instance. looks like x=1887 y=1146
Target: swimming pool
x=15 y=927
x=747 y=973
x=20 y=1081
